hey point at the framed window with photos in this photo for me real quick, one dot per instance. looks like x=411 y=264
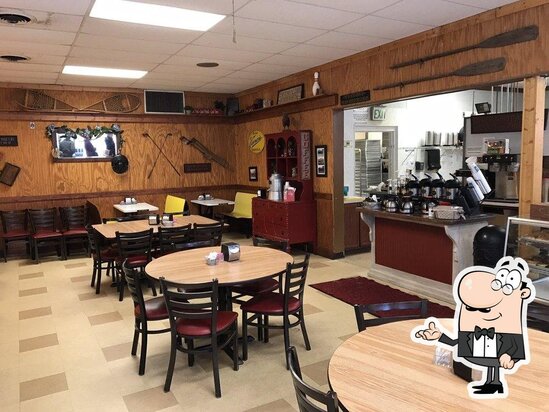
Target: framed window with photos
x=321 y=161
x=252 y=173
x=291 y=94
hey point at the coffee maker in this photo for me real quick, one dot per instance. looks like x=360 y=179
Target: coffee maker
x=503 y=172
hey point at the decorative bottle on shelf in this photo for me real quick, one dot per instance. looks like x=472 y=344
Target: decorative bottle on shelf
x=316 y=86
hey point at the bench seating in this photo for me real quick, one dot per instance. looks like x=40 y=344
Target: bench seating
x=242 y=211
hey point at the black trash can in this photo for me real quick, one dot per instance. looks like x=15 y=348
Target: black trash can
x=488 y=246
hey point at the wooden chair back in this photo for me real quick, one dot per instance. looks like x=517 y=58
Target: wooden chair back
x=73 y=217
x=133 y=279
x=191 y=301
x=172 y=239
x=135 y=244
x=14 y=220
x=419 y=309
x=294 y=280
x=305 y=393
x=43 y=220
x=209 y=232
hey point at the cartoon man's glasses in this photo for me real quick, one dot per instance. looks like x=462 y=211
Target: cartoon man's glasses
x=507 y=281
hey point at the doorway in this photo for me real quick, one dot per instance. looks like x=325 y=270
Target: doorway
x=371 y=157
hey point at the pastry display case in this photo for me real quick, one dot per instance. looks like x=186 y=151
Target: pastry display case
x=529 y=239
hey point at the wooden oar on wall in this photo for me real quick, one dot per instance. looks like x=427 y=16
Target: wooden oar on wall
x=475 y=69
x=500 y=40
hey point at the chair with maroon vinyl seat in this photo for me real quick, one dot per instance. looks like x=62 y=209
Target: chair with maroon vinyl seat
x=145 y=311
x=286 y=304
x=208 y=232
x=44 y=231
x=101 y=256
x=193 y=313
x=388 y=312
x=14 y=228
x=73 y=219
x=136 y=249
x=264 y=285
x=173 y=239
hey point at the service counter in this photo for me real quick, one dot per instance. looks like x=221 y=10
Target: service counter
x=421 y=253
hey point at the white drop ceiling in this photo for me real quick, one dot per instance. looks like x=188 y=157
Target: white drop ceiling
x=275 y=38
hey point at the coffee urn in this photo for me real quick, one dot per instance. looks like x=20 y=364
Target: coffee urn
x=276 y=188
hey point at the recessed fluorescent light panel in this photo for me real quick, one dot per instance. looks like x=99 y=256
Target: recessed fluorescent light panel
x=103 y=72
x=155 y=15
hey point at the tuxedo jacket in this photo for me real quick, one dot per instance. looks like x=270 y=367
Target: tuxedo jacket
x=510 y=343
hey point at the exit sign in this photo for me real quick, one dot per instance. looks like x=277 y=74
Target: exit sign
x=377 y=113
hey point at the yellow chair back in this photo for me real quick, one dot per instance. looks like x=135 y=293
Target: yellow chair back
x=243 y=204
x=174 y=204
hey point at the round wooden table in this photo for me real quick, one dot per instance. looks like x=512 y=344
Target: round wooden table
x=382 y=369
x=190 y=266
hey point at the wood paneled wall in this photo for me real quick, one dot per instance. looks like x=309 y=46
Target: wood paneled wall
x=370 y=69
x=363 y=71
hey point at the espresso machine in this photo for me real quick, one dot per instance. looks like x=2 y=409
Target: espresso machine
x=503 y=175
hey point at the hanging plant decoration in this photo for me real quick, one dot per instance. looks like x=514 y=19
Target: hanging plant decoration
x=87 y=133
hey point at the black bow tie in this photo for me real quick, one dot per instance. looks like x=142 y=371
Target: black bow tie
x=490 y=332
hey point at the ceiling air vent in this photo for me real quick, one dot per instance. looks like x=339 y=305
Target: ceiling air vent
x=14 y=18
x=13 y=58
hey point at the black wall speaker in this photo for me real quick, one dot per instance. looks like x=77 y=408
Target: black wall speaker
x=157 y=101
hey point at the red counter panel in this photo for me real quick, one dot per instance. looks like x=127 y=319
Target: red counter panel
x=419 y=249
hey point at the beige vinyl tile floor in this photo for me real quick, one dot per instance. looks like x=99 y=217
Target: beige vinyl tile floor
x=63 y=348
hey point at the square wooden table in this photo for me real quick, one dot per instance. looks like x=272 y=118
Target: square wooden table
x=135 y=207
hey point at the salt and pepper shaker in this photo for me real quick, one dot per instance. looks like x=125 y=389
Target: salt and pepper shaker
x=316 y=86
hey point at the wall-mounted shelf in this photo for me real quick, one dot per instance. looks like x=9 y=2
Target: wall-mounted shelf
x=302 y=105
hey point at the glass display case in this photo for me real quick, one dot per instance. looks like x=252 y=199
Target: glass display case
x=529 y=239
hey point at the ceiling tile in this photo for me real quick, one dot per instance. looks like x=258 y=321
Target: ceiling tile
x=174 y=64
x=351 y=41
x=130 y=45
x=15 y=74
x=213 y=53
x=124 y=30
x=37 y=58
x=439 y=12
x=297 y=14
x=93 y=61
x=218 y=88
x=117 y=55
x=93 y=81
x=266 y=30
x=484 y=4
x=18 y=33
x=298 y=62
x=210 y=6
x=241 y=74
x=318 y=52
x=242 y=43
x=47 y=21
x=382 y=27
x=30 y=48
x=242 y=83
x=280 y=69
x=78 y=7
x=357 y=6
x=174 y=84
x=184 y=74
x=30 y=67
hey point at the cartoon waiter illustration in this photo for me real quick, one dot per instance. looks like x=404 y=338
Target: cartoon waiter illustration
x=490 y=319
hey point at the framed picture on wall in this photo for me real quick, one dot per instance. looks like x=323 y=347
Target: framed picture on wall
x=9 y=174
x=252 y=173
x=321 y=161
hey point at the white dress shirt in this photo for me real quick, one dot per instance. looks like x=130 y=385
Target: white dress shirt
x=484 y=347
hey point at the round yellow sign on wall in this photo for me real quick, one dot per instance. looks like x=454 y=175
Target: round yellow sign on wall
x=256 y=141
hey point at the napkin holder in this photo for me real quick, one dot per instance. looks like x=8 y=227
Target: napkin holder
x=167 y=219
x=463 y=371
x=231 y=251
x=154 y=219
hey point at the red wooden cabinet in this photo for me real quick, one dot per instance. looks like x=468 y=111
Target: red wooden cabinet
x=289 y=154
x=293 y=222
